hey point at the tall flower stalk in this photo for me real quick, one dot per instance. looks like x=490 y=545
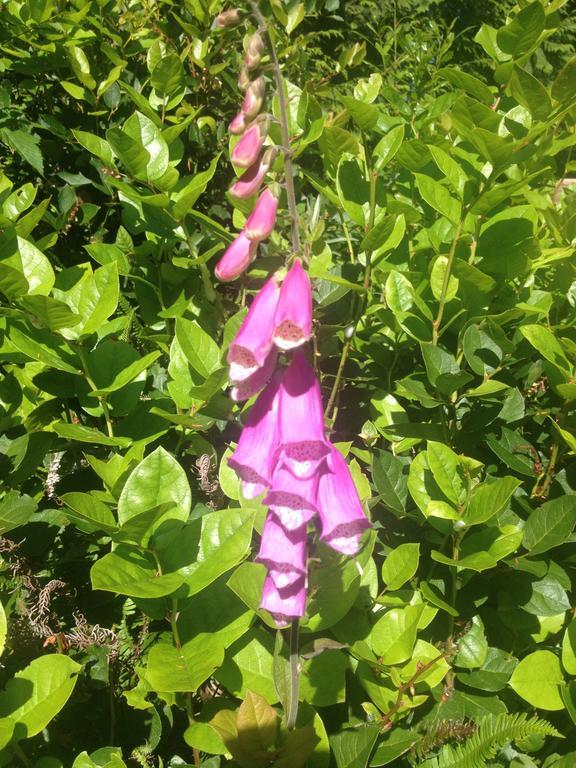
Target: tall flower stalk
x=283 y=451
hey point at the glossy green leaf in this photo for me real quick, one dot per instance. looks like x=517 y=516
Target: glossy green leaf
x=537 y=679
x=400 y=565
x=36 y=694
x=550 y=525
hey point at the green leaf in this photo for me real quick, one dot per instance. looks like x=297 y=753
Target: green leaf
x=248 y=666
x=390 y=479
x=201 y=351
x=550 y=525
x=388 y=146
x=50 y=312
x=87 y=434
x=437 y=277
x=128 y=571
x=27 y=146
x=438 y=197
x=147 y=134
x=3 y=631
x=521 y=35
x=127 y=374
x=494 y=673
x=257 y=723
x=546 y=344
x=15 y=510
x=447 y=471
x=36 y=694
x=564 y=86
x=131 y=153
x=183 y=669
x=167 y=76
x=400 y=565
x=537 y=679
x=472 y=646
x=352 y=748
x=468 y=83
x=569 y=648
x=189 y=189
x=489 y=499
x=394 y=746
x=90 y=512
x=157 y=482
x=353 y=188
x=394 y=634
x=530 y=92
x=208 y=547
x=96 y=145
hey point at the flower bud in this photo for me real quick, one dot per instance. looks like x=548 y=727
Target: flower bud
x=249 y=183
x=254 y=98
x=243 y=79
x=228 y=18
x=254 y=51
x=237 y=125
x=261 y=221
x=247 y=150
x=236 y=259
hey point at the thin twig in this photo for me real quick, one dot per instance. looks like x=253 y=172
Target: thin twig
x=387 y=717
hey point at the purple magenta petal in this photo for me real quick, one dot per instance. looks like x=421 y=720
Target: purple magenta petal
x=293 y=320
x=283 y=552
x=255 y=457
x=342 y=517
x=301 y=418
x=285 y=604
x=292 y=499
x=261 y=221
x=253 y=341
x=243 y=390
x=236 y=259
x=247 y=149
x=250 y=181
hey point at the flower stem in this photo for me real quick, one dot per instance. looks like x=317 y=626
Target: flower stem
x=284 y=128
x=292 y=713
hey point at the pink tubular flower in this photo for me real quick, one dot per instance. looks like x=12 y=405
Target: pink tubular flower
x=236 y=259
x=285 y=604
x=253 y=341
x=238 y=124
x=254 y=98
x=283 y=552
x=301 y=419
x=254 y=51
x=292 y=499
x=250 y=181
x=293 y=320
x=261 y=221
x=247 y=150
x=255 y=457
x=243 y=390
x=339 y=506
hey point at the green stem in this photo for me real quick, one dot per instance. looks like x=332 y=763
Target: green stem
x=101 y=400
x=445 y=282
x=284 y=128
x=292 y=713
x=21 y=755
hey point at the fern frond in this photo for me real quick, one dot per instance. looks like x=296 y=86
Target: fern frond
x=493 y=732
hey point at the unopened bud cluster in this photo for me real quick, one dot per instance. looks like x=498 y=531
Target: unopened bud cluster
x=250 y=154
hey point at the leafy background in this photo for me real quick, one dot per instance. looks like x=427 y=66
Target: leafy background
x=434 y=150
